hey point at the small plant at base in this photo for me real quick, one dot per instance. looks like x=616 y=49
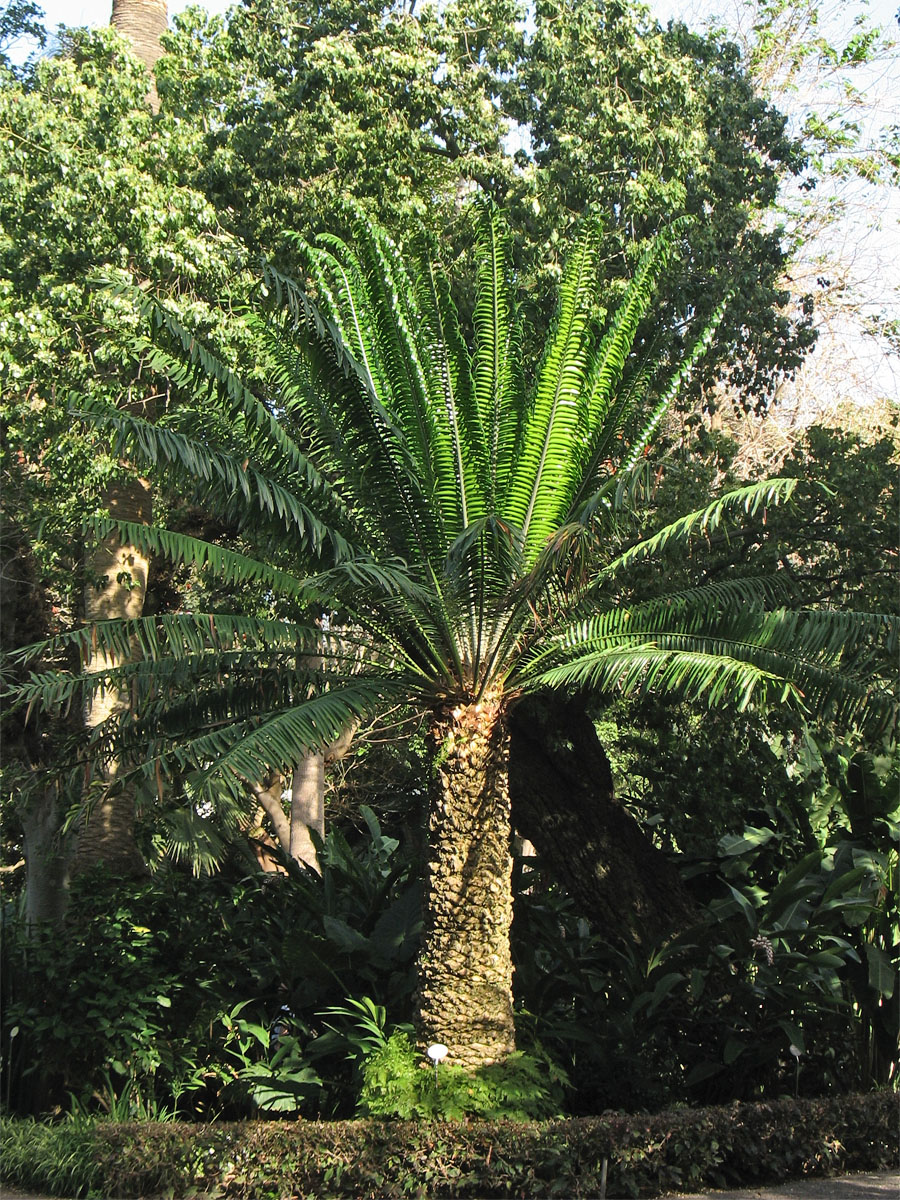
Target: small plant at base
x=396 y=1083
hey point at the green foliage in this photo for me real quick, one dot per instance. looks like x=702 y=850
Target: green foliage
x=103 y=1009
x=798 y=948
x=640 y=122
x=271 y=1070
x=379 y=1160
x=20 y=21
x=588 y=106
x=275 y=1015
x=58 y=1158
x=397 y=1082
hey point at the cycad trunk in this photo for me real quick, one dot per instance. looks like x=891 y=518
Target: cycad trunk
x=465 y=968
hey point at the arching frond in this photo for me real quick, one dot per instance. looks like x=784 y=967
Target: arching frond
x=201 y=371
x=723 y=645
x=279 y=740
x=673 y=387
x=540 y=485
x=233 y=481
x=748 y=500
x=496 y=383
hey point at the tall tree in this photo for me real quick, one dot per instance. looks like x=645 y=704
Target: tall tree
x=89 y=181
x=116 y=572
x=589 y=103
x=476 y=532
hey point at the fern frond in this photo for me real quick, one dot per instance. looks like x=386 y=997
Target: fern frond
x=495 y=380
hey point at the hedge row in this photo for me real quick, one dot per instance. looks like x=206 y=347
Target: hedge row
x=743 y=1144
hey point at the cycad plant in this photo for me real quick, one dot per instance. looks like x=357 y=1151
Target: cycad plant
x=464 y=532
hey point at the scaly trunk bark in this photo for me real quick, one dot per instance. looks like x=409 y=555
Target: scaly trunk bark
x=143 y=22
x=465 y=968
x=562 y=799
x=108 y=833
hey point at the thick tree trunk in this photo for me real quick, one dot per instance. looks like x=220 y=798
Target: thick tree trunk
x=562 y=800
x=143 y=22
x=47 y=860
x=307 y=809
x=465 y=968
x=108 y=833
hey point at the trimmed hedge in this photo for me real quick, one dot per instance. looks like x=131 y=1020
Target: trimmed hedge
x=742 y=1144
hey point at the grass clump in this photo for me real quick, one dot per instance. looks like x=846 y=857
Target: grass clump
x=59 y=1158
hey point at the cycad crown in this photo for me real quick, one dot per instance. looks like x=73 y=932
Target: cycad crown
x=460 y=527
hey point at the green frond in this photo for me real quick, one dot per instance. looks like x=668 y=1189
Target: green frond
x=202 y=371
x=396 y=323
x=279 y=740
x=674 y=386
x=645 y=668
x=370 y=446
x=461 y=490
x=172 y=634
x=609 y=361
x=749 y=500
x=198 y=842
x=546 y=465
x=608 y=406
x=723 y=645
x=496 y=384
x=213 y=473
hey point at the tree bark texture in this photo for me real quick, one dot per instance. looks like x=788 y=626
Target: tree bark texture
x=307 y=809
x=47 y=860
x=143 y=22
x=465 y=968
x=108 y=833
x=562 y=800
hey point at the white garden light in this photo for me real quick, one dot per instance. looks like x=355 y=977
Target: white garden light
x=437 y=1053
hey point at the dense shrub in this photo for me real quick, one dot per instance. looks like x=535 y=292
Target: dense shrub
x=136 y=993
x=647 y=1155
x=165 y=998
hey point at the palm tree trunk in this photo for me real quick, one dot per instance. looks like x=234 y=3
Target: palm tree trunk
x=108 y=834
x=307 y=809
x=46 y=859
x=465 y=968
x=143 y=22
